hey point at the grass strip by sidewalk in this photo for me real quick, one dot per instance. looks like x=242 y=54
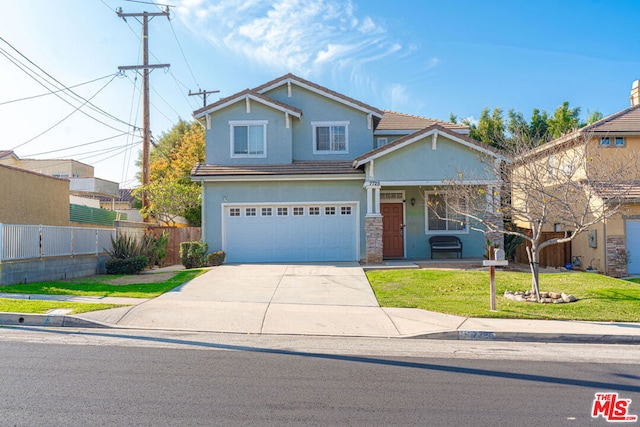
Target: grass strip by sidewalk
x=466 y=293
x=98 y=286
x=42 y=307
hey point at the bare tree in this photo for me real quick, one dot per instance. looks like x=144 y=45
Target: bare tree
x=572 y=181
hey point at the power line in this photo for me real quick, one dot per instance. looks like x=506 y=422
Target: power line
x=95 y=108
x=54 y=92
x=36 y=78
x=183 y=55
x=77 y=146
x=65 y=118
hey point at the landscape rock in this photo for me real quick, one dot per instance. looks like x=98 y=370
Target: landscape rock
x=545 y=297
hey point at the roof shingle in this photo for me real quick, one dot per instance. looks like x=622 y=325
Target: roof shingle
x=295 y=168
x=392 y=120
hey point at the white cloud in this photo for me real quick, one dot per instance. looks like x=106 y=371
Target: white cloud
x=301 y=36
x=399 y=96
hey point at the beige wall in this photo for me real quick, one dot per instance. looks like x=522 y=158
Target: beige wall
x=60 y=167
x=31 y=198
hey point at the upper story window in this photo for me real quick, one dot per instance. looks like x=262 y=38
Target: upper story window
x=382 y=141
x=248 y=138
x=330 y=137
x=618 y=141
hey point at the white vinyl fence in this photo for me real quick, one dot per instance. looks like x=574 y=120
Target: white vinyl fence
x=38 y=241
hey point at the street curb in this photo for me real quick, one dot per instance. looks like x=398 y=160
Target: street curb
x=529 y=337
x=21 y=319
x=61 y=321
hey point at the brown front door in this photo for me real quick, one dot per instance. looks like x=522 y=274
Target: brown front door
x=392 y=230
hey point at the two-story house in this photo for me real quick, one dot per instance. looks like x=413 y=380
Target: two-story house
x=297 y=172
x=600 y=164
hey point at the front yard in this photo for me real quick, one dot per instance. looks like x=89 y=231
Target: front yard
x=137 y=286
x=466 y=293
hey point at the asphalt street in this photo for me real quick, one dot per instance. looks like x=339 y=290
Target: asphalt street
x=83 y=377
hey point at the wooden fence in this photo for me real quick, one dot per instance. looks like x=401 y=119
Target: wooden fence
x=177 y=235
x=551 y=256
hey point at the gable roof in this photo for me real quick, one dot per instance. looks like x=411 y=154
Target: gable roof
x=392 y=120
x=247 y=94
x=625 y=122
x=434 y=129
x=321 y=90
x=7 y=153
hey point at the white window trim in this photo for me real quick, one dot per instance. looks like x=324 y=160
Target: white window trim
x=426 y=218
x=315 y=125
x=394 y=200
x=382 y=141
x=615 y=141
x=263 y=123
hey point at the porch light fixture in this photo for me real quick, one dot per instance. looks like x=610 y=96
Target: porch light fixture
x=413 y=201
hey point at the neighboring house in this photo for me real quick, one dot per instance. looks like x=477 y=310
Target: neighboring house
x=297 y=172
x=124 y=201
x=616 y=137
x=82 y=183
x=82 y=208
x=32 y=198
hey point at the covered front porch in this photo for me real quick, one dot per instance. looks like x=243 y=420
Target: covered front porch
x=400 y=220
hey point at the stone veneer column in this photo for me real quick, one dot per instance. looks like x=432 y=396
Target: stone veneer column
x=373 y=231
x=613 y=245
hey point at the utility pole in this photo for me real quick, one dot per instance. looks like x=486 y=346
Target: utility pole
x=204 y=95
x=146 y=126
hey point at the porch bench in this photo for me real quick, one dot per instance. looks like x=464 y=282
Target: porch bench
x=446 y=244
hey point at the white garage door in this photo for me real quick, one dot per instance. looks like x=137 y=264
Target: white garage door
x=291 y=233
x=633 y=245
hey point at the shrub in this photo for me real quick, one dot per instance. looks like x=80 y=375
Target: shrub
x=215 y=258
x=124 y=247
x=192 y=254
x=132 y=265
x=155 y=248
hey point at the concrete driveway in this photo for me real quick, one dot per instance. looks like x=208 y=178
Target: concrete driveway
x=314 y=299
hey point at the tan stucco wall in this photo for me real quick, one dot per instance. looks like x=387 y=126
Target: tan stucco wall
x=70 y=168
x=31 y=198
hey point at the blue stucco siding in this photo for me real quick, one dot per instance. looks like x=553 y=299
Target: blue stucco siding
x=417 y=241
x=320 y=108
x=419 y=162
x=214 y=195
x=218 y=147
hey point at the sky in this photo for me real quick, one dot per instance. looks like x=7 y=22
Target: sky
x=423 y=57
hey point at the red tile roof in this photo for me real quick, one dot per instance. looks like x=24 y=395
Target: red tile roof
x=392 y=120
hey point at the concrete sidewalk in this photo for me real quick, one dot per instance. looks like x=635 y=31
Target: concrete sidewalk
x=314 y=299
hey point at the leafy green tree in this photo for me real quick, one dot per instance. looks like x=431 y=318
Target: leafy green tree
x=564 y=120
x=594 y=117
x=169 y=199
x=171 y=161
x=490 y=128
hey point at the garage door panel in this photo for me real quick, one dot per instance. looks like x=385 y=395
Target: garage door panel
x=329 y=235
x=633 y=245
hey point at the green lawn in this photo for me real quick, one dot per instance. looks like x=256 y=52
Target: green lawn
x=466 y=293
x=98 y=286
x=41 y=307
